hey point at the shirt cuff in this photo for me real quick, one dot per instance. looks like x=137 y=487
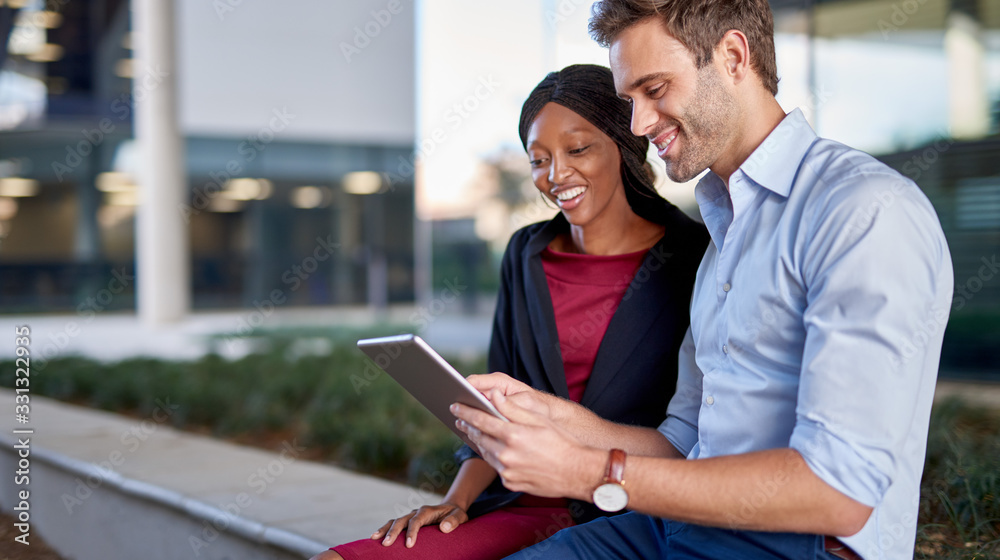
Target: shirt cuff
x=465 y=453
x=838 y=464
x=679 y=433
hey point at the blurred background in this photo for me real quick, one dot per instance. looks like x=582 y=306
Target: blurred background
x=388 y=131
x=204 y=203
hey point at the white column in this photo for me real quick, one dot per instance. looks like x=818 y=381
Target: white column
x=969 y=104
x=423 y=248
x=162 y=255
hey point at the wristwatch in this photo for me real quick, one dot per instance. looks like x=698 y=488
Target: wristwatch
x=611 y=495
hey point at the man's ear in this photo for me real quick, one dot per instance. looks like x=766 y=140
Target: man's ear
x=733 y=51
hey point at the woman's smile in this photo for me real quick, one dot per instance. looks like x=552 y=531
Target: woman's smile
x=569 y=198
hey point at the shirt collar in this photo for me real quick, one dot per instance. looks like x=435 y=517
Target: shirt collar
x=774 y=164
x=715 y=205
x=789 y=141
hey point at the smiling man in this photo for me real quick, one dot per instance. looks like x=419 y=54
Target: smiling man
x=799 y=425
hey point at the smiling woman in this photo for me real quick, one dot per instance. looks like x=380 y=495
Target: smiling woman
x=592 y=308
x=576 y=165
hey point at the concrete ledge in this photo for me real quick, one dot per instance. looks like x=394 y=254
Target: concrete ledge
x=114 y=523
x=103 y=486
x=982 y=394
x=252 y=531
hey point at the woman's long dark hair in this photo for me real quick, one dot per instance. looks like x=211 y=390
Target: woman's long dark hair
x=589 y=91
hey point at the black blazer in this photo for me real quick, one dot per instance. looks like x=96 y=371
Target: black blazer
x=635 y=372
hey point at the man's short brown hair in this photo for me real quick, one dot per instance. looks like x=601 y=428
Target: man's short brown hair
x=699 y=25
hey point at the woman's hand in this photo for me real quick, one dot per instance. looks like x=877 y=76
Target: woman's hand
x=446 y=515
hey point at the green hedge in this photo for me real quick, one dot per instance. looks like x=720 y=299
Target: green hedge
x=960 y=490
x=364 y=422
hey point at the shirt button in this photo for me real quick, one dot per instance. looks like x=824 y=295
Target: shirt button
x=726 y=287
x=710 y=400
x=725 y=349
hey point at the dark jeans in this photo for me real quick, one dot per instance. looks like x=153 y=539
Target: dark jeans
x=635 y=535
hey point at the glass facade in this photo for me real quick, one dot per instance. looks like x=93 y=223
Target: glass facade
x=325 y=222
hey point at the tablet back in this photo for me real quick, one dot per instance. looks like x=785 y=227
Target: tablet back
x=426 y=375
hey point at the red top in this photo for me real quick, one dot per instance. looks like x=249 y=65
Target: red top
x=586 y=291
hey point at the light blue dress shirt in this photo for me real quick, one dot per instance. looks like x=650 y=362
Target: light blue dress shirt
x=816 y=324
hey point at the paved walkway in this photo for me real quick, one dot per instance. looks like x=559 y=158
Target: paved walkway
x=279 y=497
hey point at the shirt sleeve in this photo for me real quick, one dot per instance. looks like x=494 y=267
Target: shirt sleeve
x=681 y=425
x=877 y=273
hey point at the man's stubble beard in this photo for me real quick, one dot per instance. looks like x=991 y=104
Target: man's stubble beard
x=704 y=130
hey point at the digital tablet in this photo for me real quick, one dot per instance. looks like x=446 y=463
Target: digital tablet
x=427 y=376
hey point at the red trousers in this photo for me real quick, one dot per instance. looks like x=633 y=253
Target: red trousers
x=492 y=536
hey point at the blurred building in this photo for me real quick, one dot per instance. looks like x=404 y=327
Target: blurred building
x=290 y=110
x=917 y=84
x=299 y=123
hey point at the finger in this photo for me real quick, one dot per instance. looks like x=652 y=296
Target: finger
x=456 y=517
x=519 y=411
x=534 y=402
x=475 y=436
x=412 y=529
x=487 y=446
x=484 y=444
x=482 y=421
x=424 y=516
x=397 y=527
x=497 y=380
x=486 y=381
x=489 y=449
x=381 y=530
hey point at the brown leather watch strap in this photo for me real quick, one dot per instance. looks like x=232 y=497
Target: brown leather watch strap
x=616 y=467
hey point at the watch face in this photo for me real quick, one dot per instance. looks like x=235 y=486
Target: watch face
x=611 y=497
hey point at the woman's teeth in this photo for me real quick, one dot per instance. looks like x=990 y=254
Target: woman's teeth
x=571 y=193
